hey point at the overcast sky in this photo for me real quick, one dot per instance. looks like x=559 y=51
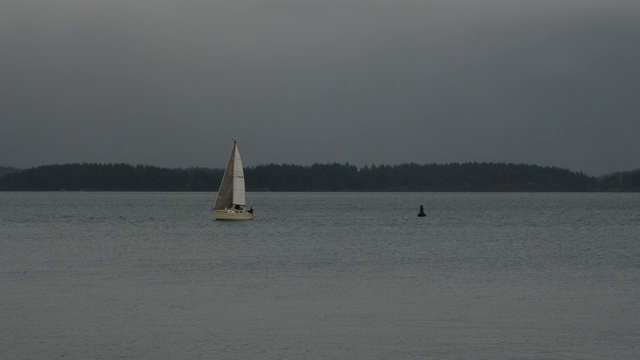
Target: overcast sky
x=171 y=82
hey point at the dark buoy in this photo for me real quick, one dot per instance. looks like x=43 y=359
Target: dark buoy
x=421 y=213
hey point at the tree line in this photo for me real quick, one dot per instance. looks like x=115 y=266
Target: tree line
x=4 y=170
x=454 y=177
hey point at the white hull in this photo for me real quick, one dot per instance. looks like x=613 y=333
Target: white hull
x=230 y=214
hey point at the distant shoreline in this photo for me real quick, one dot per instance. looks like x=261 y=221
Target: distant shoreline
x=453 y=177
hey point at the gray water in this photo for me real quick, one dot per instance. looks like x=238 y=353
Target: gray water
x=320 y=276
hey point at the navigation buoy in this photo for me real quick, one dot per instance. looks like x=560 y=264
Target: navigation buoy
x=421 y=213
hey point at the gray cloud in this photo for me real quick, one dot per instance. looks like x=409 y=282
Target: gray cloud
x=300 y=81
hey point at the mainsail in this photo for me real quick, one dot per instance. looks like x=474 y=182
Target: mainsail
x=232 y=191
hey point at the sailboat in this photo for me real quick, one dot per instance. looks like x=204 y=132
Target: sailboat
x=231 y=198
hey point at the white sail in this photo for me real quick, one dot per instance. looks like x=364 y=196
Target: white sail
x=239 y=197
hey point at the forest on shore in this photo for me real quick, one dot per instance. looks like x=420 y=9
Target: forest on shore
x=454 y=177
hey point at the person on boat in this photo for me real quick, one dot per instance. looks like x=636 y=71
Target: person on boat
x=238 y=207
x=250 y=210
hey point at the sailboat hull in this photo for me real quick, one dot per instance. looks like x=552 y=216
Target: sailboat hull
x=230 y=214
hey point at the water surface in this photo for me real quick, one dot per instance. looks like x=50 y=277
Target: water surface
x=320 y=276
